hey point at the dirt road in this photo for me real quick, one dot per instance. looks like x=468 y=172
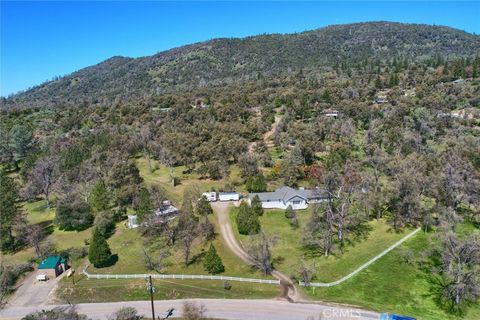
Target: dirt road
x=289 y=291
x=266 y=136
x=33 y=293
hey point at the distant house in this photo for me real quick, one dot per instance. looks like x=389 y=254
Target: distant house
x=381 y=99
x=132 y=221
x=52 y=267
x=199 y=104
x=211 y=196
x=286 y=196
x=228 y=196
x=331 y=113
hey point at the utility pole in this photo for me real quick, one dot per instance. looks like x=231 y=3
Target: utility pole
x=150 y=288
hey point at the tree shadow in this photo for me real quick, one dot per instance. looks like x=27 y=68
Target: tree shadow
x=113 y=260
x=278 y=260
x=196 y=258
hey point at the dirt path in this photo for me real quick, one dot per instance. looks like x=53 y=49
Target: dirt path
x=32 y=292
x=268 y=134
x=289 y=291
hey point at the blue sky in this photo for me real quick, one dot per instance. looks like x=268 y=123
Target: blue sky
x=40 y=40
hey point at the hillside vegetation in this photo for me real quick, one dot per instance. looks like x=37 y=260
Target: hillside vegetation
x=221 y=62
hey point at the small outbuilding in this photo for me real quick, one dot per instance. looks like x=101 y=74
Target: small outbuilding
x=132 y=221
x=52 y=267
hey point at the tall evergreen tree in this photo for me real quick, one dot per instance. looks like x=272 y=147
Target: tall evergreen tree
x=8 y=211
x=247 y=220
x=145 y=205
x=212 y=262
x=257 y=206
x=99 y=198
x=203 y=207
x=99 y=252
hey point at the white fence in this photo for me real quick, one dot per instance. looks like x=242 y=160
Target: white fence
x=175 y=276
x=348 y=276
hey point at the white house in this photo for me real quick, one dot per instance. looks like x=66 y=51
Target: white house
x=228 y=196
x=286 y=196
x=211 y=196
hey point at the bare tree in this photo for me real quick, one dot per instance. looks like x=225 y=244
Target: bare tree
x=460 y=261
x=34 y=237
x=259 y=249
x=188 y=232
x=156 y=264
x=43 y=177
x=145 y=138
x=306 y=272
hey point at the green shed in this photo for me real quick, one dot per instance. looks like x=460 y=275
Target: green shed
x=52 y=266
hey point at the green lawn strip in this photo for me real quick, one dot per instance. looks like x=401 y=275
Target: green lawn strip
x=124 y=290
x=394 y=286
x=288 y=252
x=38 y=212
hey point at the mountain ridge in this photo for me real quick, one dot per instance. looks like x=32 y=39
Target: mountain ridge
x=224 y=61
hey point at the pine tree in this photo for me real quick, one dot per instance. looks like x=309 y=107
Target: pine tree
x=8 y=207
x=99 y=199
x=203 y=207
x=99 y=252
x=212 y=262
x=257 y=206
x=247 y=220
x=145 y=205
x=259 y=183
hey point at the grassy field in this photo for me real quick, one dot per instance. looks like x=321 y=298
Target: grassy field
x=123 y=290
x=395 y=286
x=38 y=213
x=128 y=245
x=161 y=177
x=288 y=252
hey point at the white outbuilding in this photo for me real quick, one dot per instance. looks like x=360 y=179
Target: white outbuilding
x=228 y=196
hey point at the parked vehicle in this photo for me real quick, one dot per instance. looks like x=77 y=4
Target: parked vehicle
x=391 y=316
x=42 y=277
x=211 y=196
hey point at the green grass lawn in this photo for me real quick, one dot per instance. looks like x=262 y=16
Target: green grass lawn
x=128 y=245
x=161 y=178
x=38 y=213
x=288 y=252
x=124 y=290
x=394 y=286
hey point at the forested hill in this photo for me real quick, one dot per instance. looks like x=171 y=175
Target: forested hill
x=229 y=61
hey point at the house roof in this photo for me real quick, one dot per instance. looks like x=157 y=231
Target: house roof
x=51 y=262
x=286 y=193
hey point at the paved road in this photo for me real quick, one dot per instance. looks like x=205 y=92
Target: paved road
x=218 y=309
x=32 y=292
x=289 y=291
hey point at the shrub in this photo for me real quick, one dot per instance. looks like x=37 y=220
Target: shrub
x=73 y=214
